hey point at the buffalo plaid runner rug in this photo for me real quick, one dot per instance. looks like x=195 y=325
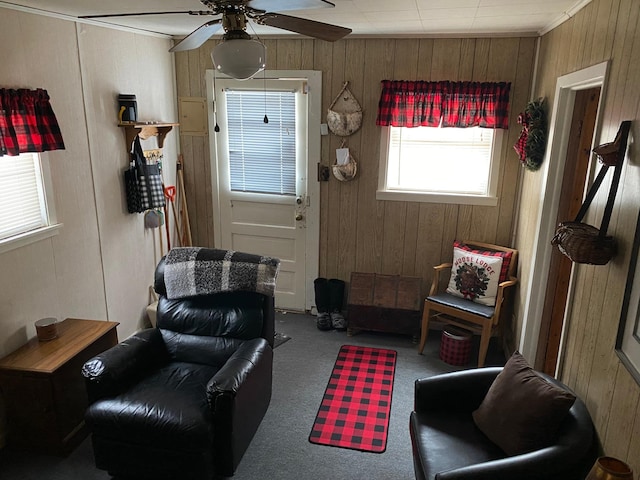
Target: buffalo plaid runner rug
x=355 y=409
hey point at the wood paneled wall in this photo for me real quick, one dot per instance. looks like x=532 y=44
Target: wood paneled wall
x=603 y=30
x=358 y=232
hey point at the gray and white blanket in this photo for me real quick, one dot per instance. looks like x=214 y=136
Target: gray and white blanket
x=191 y=271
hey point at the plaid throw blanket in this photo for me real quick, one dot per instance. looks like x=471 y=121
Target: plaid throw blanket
x=191 y=271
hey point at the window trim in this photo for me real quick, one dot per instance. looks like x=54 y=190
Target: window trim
x=32 y=236
x=27 y=238
x=491 y=199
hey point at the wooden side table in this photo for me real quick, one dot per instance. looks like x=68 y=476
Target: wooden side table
x=44 y=390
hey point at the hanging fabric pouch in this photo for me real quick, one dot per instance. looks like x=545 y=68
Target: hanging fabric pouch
x=149 y=179
x=584 y=243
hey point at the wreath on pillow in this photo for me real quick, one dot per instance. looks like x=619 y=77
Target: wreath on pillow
x=532 y=142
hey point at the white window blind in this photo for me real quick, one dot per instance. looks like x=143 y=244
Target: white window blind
x=440 y=160
x=262 y=156
x=22 y=200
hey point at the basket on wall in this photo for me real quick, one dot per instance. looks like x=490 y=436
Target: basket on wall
x=584 y=243
x=346 y=167
x=346 y=172
x=344 y=116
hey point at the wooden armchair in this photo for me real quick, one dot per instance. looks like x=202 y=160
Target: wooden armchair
x=467 y=314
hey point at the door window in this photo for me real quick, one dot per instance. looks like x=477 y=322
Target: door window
x=262 y=154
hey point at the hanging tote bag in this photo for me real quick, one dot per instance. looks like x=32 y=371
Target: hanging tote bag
x=134 y=200
x=143 y=182
x=584 y=243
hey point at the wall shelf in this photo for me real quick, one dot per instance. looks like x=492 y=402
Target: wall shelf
x=145 y=130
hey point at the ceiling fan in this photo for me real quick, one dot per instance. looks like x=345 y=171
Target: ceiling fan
x=234 y=15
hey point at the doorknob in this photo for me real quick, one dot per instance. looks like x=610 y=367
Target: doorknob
x=299 y=217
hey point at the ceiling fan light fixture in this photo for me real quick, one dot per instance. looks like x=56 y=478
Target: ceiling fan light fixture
x=240 y=57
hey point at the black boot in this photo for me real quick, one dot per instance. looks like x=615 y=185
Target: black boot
x=336 y=300
x=321 y=287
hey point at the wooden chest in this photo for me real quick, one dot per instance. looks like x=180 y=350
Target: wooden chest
x=384 y=303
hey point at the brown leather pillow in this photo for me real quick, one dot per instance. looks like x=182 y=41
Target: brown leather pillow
x=522 y=411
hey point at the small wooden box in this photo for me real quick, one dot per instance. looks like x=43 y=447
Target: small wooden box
x=385 y=303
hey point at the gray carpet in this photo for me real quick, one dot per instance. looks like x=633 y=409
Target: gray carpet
x=281 y=450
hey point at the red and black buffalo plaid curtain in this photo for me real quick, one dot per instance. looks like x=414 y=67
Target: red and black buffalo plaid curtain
x=27 y=122
x=411 y=104
x=450 y=104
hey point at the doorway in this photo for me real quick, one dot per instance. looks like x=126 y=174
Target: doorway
x=568 y=87
x=576 y=168
x=264 y=200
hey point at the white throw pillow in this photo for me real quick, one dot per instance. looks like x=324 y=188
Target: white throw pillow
x=475 y=277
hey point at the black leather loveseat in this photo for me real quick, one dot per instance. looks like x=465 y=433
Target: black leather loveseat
x=448 y=445
x=183 y=400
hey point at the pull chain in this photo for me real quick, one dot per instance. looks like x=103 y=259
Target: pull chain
x=264 y=86
x=215 y=105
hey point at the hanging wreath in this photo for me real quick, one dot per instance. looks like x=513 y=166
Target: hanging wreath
x=533 y=138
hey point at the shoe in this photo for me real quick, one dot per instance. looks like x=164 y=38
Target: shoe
x=337 y=321
x=323 y=321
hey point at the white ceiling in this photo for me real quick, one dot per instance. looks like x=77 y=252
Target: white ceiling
x=365 y=17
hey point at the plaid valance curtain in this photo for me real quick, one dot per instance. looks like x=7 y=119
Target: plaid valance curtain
x=27 y=122
x=449 y=104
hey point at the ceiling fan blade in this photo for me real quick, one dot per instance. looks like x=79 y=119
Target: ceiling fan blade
x=138 y=14
x=198 y=36
x=282 y=5
x=311 y=28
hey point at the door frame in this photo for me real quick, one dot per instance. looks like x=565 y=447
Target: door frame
x=578 y=163
x=552 y=175
x=313 y=79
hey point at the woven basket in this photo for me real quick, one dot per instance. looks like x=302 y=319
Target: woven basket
x=583 y=243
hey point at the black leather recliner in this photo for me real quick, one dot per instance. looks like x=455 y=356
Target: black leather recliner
x=183 y=400
x=447 y=445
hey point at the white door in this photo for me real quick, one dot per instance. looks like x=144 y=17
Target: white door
x=260 y=173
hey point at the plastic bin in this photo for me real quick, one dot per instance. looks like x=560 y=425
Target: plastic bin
x=455 y=346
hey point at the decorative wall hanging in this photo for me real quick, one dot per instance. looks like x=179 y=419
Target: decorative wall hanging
x=584 y=243
x=533 y=138
x=346 y=167
x=628 y=337
x=344 y=116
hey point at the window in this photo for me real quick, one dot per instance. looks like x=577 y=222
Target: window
x=434 y=164
x=25 y=213
x=441 y=141
x=262 y=156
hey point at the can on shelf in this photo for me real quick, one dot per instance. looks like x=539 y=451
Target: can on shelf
x=127 y=108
